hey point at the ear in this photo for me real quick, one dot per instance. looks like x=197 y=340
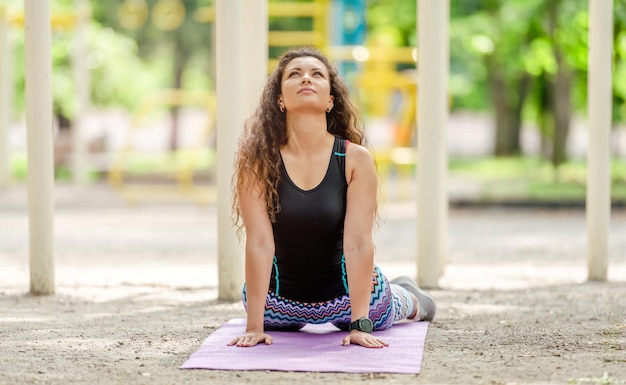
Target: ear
x=331 y=102
x=280 y=101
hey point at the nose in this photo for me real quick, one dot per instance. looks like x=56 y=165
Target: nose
x=306 y=78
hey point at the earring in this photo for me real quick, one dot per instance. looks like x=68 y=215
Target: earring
x=282 y=108
x=328 y=110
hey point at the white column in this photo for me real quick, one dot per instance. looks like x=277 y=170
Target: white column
x=231 y=110
x=82 y=87
x=599 y=101
x=40 y=151
x=255 y=43
x=432 y=107
x=5 y=157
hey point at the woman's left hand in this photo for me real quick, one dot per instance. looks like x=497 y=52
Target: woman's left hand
x=364 y=339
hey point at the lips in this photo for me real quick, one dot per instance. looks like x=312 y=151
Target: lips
x=306 y=89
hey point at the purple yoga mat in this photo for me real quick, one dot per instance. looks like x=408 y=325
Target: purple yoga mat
x=316 y=348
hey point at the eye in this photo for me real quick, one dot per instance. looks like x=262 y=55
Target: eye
x=318 y=73
x=293 y=73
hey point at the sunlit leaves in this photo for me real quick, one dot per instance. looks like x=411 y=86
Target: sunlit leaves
x=540 y=57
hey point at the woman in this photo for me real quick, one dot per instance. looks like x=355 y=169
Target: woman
x=305 y=188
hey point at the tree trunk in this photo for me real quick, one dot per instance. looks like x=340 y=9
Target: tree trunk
x=561 y=110
x=519 y=98
x=497 y=87
x=544 y=117
x=178 y=80
x=560 y=91
x=508 y=101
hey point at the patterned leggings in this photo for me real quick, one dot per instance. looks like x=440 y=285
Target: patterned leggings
x=388 y=303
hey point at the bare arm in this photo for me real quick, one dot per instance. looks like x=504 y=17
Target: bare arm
x=259 y=254
x=358 y=240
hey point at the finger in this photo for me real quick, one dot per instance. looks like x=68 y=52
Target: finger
x=346 y=341
x=374 y=345
x=379 y=344
x=268 y=340
x=235 y=341
x=244 y=342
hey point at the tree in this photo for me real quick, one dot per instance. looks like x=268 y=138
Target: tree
x=186 y=42
x=534 y=54
x=113 y=84
x=499 y=34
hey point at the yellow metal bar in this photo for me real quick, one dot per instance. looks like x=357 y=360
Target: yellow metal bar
x=204 y=15
x=271 y=65
x=389 y=54
x=171 y=97
x=320 y=23
x=297 y=9
x=58 y=20
x=293 y=38
x=318 y=10
x=177 y=97
x=314 y=9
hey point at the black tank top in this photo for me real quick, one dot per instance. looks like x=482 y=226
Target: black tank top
x=309 y=265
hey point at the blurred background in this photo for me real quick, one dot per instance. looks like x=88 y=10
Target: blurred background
x=518 y=81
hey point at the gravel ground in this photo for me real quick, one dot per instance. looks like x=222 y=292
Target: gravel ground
x=136 y=295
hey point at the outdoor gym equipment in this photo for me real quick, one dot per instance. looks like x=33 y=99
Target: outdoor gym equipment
x=186 y=162
x=75 y=20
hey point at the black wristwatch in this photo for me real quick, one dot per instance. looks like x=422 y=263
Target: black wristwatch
x=363 y=324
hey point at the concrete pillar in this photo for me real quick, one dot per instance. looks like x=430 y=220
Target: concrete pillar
x=82 y=87
x=432 y=106
x=255 y=44
x=40 y=145
x=231 y=110
x=5 y=157
x=599 y=101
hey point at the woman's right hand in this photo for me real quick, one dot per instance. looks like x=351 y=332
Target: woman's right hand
x=251 y=338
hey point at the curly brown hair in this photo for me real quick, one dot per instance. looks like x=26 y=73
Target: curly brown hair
x=265 y=133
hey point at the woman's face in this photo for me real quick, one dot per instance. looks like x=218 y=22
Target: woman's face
x=305 y=86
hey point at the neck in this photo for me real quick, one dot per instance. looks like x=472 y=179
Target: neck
x=307 y=133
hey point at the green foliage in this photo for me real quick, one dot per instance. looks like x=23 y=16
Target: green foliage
x=18 y=166
x=524 y=178
x=118 y=75
x=124 y=65
x=392 y=22
x=141 y=164
x=619 y=82
x=172 y=162
x=468 y=44
x=61 y=5
x=512 y=34
x=572 y=38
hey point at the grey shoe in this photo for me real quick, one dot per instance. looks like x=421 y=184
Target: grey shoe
x=428 y=308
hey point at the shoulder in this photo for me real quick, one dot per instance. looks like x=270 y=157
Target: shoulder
x=358 y=154
x=359 y=160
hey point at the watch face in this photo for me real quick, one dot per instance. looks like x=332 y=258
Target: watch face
x=365 y=325
x=362 y=324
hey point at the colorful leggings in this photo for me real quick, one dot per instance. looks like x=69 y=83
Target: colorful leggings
x=388 y=303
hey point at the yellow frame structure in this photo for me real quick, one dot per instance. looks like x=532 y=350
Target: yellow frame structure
x=184 y=175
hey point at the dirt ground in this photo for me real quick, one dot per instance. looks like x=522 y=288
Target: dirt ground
x=136 y=295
